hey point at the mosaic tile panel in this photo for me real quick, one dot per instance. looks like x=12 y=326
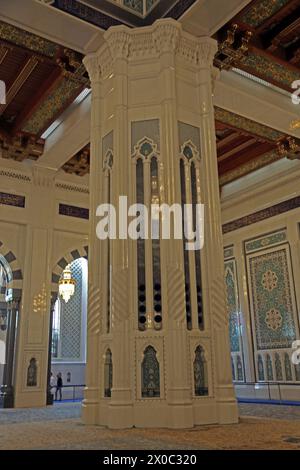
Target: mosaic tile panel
x=73 y=211
x=272 y=307
x=287 y=368
x=278 y=368
x=263 y=214
x=12 y=200
x=260 y=367
x=135 y=5
x=261 y=11
x=263 y=242
x=86 y=13
x=70 y=327
x=269 y=368
x=228 y=252
x=232 y=305
x=232 y=369
x=239 y=367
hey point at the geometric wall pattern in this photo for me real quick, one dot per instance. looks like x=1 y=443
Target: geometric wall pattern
x=273 y=308
x=233 y=309
x=232 y=305
x=272 y=295
x=71 y=317
x=265 y=241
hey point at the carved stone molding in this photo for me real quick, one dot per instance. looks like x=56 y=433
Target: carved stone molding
x=15 y=174
x=43 y=177
x=72 y=187
x=94 y=310
x=164 y=36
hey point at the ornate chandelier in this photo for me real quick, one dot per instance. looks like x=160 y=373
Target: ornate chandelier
x=67 y=284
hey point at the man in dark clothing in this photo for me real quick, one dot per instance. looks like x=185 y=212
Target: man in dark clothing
x=59 y=386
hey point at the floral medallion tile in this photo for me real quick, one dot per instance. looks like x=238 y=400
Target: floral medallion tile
x=272 y=294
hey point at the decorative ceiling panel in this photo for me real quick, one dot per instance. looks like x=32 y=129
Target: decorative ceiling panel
x=263 y=40
x=42 y=78
x=135 y=13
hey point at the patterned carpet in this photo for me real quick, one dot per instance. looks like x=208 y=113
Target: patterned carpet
x=60 y=427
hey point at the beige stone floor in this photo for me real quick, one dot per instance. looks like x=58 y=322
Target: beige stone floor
x=250 y=433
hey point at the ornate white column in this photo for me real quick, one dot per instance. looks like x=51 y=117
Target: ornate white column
x=96 y=270
x=34 y=317
x=213 y=248
x=158 y=345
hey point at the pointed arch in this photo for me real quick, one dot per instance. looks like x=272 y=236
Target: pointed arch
x=68 y=258
x=13 y=273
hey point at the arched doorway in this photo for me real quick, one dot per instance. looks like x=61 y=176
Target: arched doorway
x=3 y=316
x=10 y=296
x=68 y=336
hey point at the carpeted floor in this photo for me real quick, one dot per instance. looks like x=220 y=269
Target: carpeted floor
x=60 y=427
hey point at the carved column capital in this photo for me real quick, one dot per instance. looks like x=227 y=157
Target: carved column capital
x=43 y=177
x=166 y=35
x=207 y=49
x=119 y=40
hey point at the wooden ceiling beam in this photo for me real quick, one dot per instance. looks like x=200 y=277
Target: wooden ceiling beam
x=226 y=140
x=277 y=37
x=3 y=52
x=24 y=73
x=296 y=57
x=38 y=98
x=237 y=149
x=244 y=156
x=277 y=17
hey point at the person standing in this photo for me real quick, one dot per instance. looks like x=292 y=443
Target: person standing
x=52 y=381
x=59 y=386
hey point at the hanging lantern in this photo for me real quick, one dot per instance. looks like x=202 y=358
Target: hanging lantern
x=67 y=284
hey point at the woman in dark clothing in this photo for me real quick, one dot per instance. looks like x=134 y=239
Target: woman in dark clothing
x=59 y=386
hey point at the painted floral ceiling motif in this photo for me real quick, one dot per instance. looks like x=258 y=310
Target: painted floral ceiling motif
x=261 y=11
